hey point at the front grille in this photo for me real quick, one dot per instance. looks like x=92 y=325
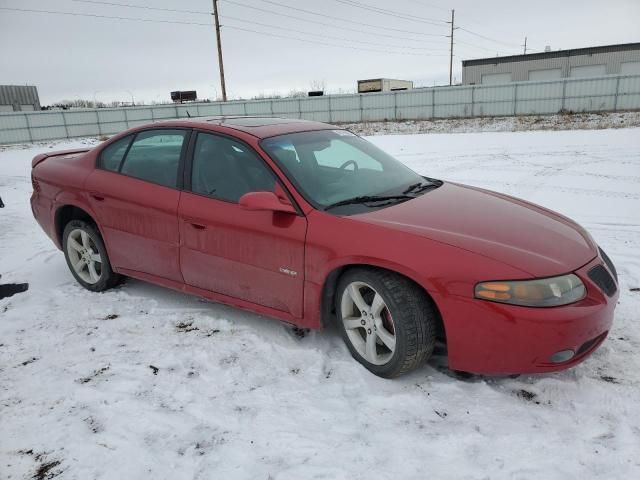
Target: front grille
x=609 y=263
x=603 y=279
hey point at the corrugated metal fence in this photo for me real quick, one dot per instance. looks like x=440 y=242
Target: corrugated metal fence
x=610 y=93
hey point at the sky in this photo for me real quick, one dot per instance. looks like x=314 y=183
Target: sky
x=277 y=46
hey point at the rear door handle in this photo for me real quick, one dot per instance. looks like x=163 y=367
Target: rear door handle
x=195 y=224
x=96 y=196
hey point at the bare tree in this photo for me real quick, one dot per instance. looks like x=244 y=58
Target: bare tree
x=318 y=85
x=294 y=93
x=264 y=96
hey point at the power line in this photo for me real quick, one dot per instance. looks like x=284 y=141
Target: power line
x=351 y=29
x=495 y=30
x=391 y=13
x=328 y=44
x=474 y=45
x=289 y=7
x=351 y=2
x=327 y=37
x=142 y=7
x=137 y=19
x=200 y=12
x=529 y=48
x=75 y=14
x=489 y=38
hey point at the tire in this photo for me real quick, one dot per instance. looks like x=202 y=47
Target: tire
x=83 y=247
x=394 y=309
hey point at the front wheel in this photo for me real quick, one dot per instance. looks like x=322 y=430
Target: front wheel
x=87 y=257
x=387 y=321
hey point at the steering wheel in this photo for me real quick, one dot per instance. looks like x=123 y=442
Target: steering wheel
x=349 y=162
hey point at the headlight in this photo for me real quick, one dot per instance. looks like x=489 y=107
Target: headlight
x=543 y=292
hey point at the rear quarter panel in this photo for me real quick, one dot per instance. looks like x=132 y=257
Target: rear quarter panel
x=60 y=180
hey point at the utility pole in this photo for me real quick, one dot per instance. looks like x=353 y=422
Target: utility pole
x=453 y=13
x=220 y=63
x=525 y=45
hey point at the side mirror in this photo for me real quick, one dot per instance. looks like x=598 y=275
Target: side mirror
x=265 y=201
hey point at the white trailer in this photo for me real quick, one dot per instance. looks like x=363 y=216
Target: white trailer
x=383 y=85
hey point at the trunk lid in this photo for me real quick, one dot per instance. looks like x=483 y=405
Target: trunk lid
x=73 y=153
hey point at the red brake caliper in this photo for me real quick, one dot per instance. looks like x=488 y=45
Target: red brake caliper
x=387 y=321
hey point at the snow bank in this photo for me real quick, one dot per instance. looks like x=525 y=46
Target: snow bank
x=579 y=121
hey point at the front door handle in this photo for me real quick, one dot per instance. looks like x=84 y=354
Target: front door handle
x=96 y=196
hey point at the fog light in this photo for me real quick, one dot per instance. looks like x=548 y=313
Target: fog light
x=562 y=356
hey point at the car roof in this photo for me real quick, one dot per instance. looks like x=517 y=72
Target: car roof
x=260 y=127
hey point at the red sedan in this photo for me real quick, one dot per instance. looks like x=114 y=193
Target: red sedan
x=312 y=224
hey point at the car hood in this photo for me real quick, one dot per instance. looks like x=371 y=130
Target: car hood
x=523 y=235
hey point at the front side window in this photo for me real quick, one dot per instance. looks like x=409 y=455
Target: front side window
x=226 y=169
x=154 y=156
x=333 y=166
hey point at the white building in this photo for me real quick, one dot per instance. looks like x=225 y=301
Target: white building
x=621 y=59
x=383 y=85
x=15 y=98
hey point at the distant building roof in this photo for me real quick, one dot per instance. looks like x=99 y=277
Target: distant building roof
x=554 y=54
x=17 y=95
x=383 y=78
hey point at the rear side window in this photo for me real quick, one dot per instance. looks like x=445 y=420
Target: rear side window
x=154 y=156
x=112 y=156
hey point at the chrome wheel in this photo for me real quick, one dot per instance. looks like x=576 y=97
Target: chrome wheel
x=84 y=256
x=368 y=323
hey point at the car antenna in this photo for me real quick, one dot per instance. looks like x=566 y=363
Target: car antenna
x=188 y=114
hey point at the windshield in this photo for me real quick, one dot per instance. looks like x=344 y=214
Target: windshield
x=331 y=167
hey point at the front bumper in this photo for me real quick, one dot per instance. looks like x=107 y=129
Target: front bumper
x=492 y=338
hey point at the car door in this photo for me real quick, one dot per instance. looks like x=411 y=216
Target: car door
x=256 y=256
x=134 y=192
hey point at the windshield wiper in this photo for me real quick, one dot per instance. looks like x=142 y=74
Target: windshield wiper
x=421 y=186
x=368 y=199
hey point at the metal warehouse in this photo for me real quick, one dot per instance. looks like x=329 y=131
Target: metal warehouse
x=16 y=98
x=621 y=59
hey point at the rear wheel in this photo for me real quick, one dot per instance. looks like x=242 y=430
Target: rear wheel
x=387 y=321
x=87 y=257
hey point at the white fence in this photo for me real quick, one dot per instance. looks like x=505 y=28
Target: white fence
x=598 y=94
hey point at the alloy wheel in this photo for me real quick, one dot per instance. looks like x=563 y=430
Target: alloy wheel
x=84 y=256
x=368 y=323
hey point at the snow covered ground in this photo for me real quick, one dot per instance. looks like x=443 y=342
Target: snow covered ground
x=577 y=121
x=142 y=382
